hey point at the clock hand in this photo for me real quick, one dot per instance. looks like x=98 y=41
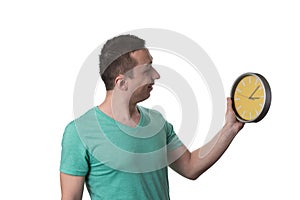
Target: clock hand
x=242 y=95
x=254 y=92
x=253 y=98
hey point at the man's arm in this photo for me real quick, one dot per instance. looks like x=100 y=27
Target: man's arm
x=192 y=165
x=71 y=186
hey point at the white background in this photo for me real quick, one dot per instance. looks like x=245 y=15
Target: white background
x=43 y=45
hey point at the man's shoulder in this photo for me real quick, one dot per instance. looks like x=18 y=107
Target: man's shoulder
x=72 y=125
x=90 y=112
x=90 y=116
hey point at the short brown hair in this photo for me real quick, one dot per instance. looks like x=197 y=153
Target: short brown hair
x=115 y=57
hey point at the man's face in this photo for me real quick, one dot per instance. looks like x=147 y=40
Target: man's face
x=144 y=76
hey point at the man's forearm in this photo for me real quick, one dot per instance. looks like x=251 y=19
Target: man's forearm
x=204 y=157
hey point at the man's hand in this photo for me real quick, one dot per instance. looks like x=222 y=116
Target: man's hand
x=232 y=125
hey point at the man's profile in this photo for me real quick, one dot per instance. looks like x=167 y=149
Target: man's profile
x=121 y=150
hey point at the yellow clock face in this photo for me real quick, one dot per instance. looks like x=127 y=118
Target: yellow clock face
x=249 y=96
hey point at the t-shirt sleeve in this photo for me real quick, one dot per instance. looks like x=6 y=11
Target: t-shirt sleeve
x=173 y=141
x=74 y=156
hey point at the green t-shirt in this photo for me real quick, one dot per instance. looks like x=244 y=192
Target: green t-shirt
x=120 y=162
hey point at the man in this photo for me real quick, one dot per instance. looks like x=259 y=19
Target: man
x=122 y=150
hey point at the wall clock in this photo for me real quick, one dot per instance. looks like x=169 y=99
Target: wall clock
x=251 y=97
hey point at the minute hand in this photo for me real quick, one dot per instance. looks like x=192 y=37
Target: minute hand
x=254 y=92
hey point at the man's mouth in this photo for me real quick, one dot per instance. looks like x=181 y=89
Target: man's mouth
x=150 y=86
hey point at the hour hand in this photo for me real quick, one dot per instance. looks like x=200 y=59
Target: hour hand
x=253 y=98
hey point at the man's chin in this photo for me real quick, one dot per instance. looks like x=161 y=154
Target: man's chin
x=142 y=98
x=142 y=95
x=145 y=98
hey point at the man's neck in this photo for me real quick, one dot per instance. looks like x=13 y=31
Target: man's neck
x=120 y=109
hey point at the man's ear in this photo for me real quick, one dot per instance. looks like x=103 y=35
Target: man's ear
x=121 y=82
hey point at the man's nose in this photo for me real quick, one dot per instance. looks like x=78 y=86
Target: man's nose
x=156 y=75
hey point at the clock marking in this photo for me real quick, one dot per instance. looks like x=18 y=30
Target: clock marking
x=256 y=81
x=239 y=107
x=243 y=114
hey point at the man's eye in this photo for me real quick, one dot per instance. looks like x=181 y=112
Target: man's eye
x=148 y=68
